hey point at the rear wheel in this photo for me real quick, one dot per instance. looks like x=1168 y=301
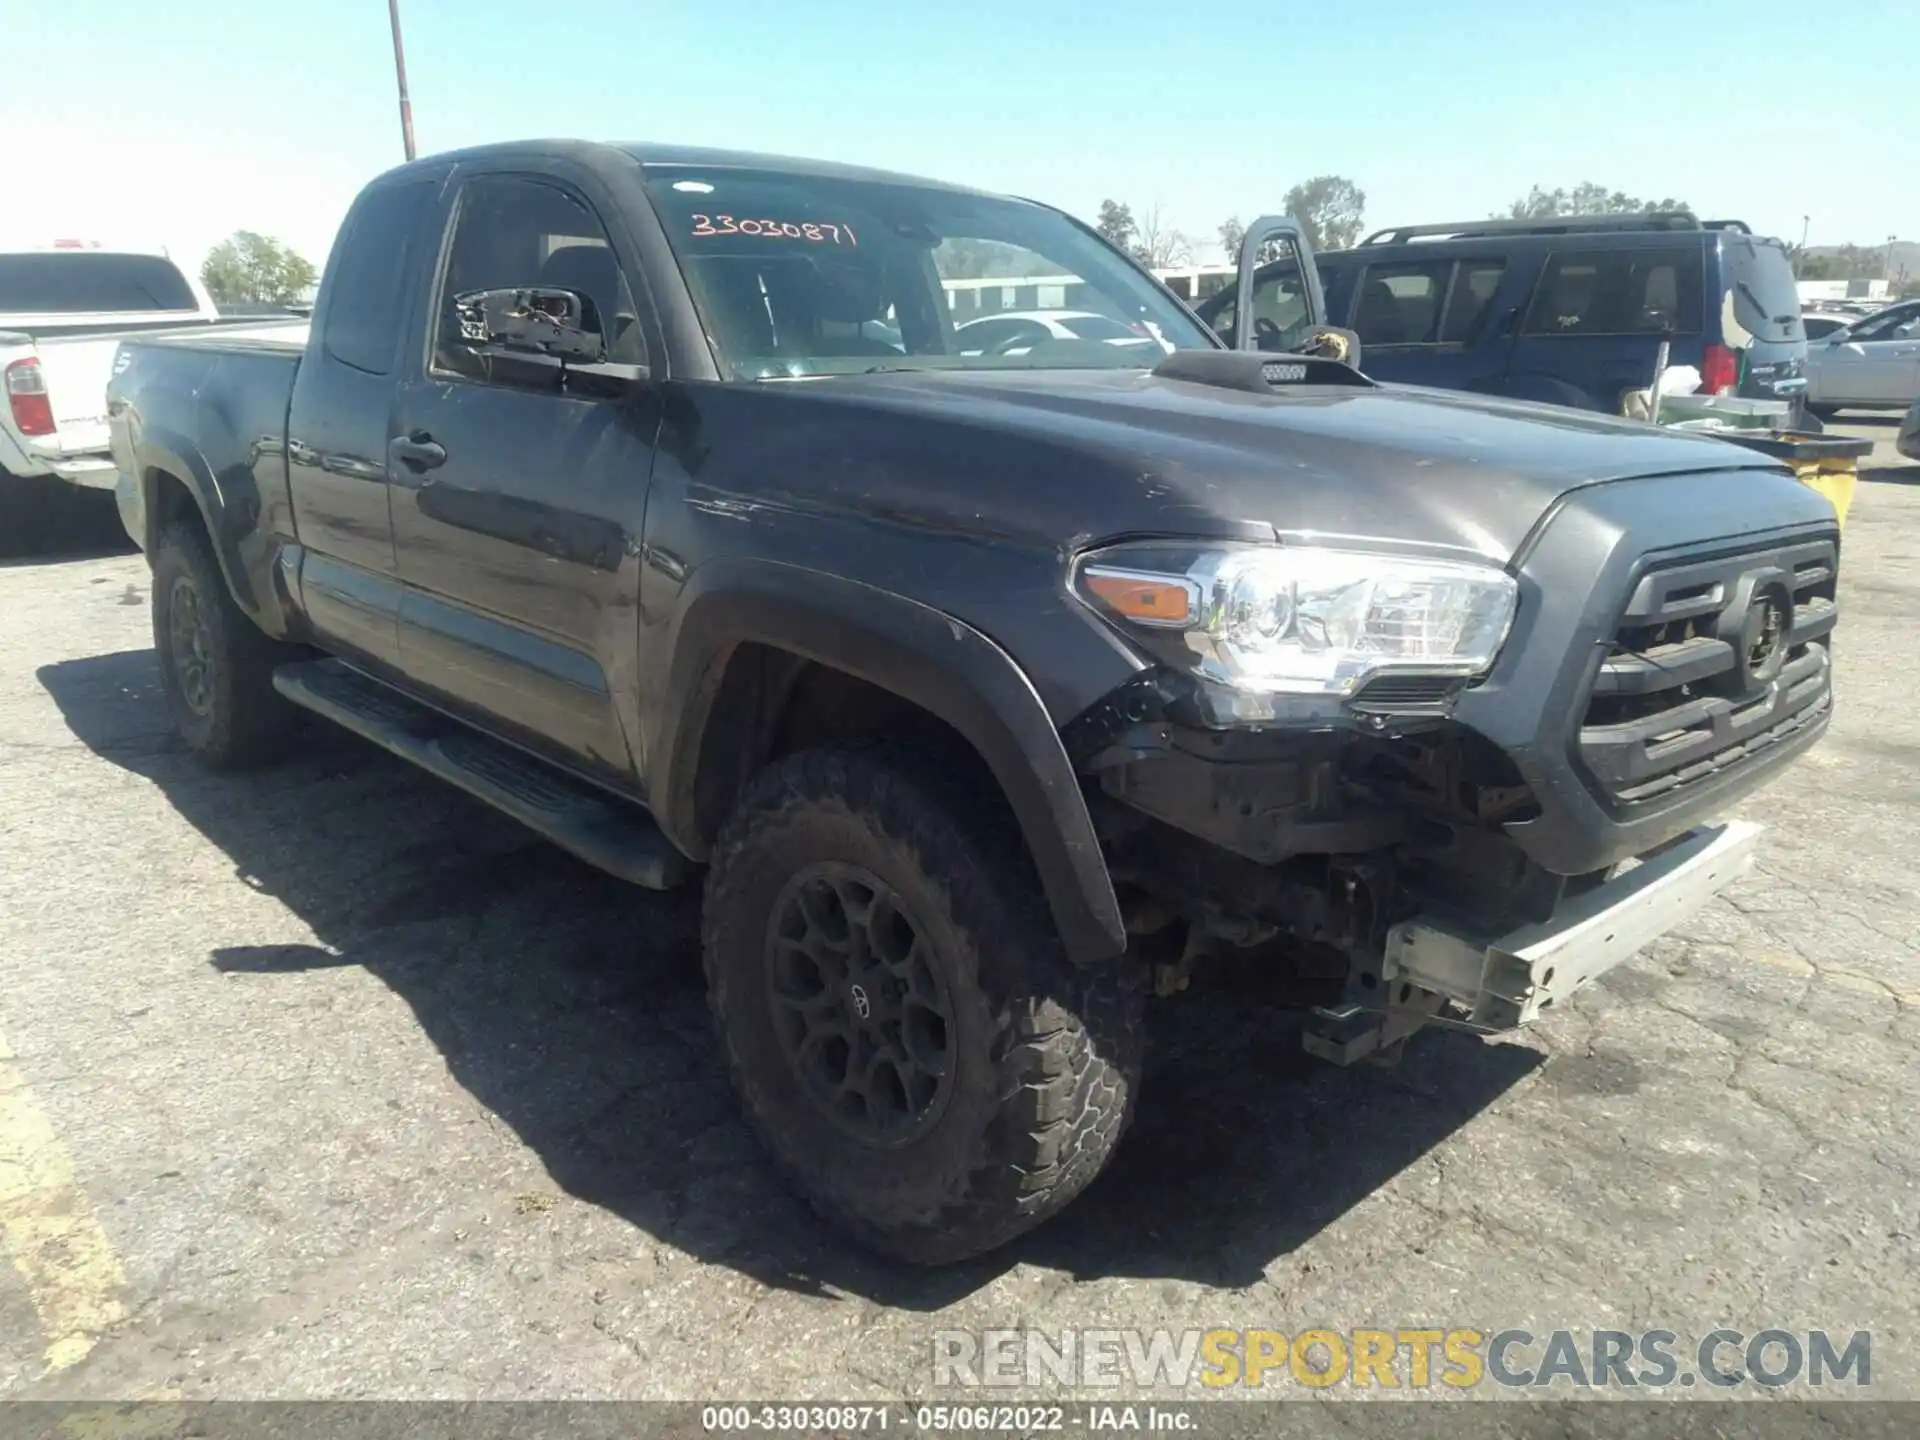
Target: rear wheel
x=216 y=666
x=902 y=1026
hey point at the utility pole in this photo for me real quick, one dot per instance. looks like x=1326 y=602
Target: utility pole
x=400 y=74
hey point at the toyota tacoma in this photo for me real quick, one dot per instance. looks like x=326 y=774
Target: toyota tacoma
x=651 y=496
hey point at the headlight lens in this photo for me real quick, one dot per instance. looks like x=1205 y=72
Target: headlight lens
x=1309 y=621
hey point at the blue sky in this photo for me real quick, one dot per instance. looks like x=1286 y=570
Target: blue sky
x=177 y=123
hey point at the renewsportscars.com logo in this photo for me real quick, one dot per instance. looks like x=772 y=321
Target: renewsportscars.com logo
x=1409 y=1358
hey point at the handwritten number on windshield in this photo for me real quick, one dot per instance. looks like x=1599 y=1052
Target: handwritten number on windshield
x=821 y=232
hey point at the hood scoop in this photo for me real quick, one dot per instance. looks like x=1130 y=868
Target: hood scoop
x=1261 y=374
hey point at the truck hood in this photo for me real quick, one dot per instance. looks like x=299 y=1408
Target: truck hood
x=1403 y=464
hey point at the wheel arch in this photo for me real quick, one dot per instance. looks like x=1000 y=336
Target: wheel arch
x=716 y=725
x=169 y=468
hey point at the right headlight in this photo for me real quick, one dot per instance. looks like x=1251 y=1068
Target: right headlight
x=1303 y=620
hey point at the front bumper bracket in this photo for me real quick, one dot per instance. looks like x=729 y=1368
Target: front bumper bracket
x=1502 y=983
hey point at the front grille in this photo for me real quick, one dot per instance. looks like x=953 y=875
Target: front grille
x=1712 y=663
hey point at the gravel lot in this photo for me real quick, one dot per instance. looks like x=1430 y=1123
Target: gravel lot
x=328 y=1082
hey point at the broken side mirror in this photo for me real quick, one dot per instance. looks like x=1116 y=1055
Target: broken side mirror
x=542 y=326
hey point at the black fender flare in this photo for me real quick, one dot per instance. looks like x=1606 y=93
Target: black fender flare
x=160 y=451
x=921 y=654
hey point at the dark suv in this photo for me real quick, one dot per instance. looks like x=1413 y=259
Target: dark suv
x=1570 y=311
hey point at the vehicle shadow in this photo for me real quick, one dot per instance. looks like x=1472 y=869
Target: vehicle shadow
x=1890 y=475
x=43 y=520
x=571 y=1006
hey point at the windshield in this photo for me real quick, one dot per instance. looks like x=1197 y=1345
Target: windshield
x=807 y=275
x=86 y=283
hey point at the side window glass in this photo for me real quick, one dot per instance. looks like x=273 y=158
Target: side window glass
x=1400 y=304
x=512 y=233
x=1474 y=284
x=367 y=292
x=1897 y=326
x=1618 y=292
x=1279 y=308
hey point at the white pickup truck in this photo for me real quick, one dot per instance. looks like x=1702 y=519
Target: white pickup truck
x=64 y=308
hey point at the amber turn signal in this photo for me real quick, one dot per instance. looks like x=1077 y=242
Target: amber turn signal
x=1148 y=599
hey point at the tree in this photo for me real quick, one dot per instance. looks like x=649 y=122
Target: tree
x=255 y=268
x=1232 y=232
x=961 y=258
x=1330 y=208
x=1116 y=224
x=1158 y=245
x=1809 y=266
x=1586 y=198
x=1843 y=262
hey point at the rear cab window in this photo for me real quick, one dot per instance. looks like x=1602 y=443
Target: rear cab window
x=1652 y=291
x=82 y=282
x=366 y=300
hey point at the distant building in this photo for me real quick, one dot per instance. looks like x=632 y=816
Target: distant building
x=1194 y=283
x=970 y=298
x=1815 y=290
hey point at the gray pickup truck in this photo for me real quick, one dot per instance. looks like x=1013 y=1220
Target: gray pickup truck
x=651 y=496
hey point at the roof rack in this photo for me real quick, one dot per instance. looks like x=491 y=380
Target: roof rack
x=1553 y=225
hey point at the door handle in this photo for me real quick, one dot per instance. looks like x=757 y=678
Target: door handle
x=417 y=450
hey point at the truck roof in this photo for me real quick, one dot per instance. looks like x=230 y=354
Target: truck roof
x=658 y=153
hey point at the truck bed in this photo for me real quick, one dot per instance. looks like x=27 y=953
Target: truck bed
x=271 y=336
x=76 y=360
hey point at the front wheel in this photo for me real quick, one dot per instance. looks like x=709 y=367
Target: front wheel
x=901 y=1023
x=216 y=665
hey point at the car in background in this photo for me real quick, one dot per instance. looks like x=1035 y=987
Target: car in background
x=1872 y=364
x=1015 y=332
x=1569 y=310
x=1819 y=324
x=64 y=309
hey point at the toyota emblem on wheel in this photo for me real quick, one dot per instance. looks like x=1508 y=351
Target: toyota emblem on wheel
x=861 y=1005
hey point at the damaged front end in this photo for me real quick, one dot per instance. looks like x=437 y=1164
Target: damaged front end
x=1370 y=850
x=1325 y=840
x=1458 y=791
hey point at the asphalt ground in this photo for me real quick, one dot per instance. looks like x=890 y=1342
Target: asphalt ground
x=328 y=1082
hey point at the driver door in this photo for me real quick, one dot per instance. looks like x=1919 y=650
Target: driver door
x=519 y=500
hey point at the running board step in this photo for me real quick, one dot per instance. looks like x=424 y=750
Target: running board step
x=599 y=829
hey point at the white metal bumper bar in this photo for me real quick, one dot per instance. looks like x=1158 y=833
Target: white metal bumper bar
x=1508 y=981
